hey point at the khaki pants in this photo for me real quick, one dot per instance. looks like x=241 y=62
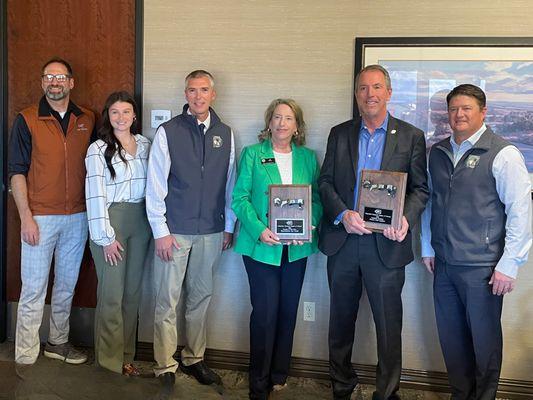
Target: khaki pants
x=193 y=269
x=119 y=287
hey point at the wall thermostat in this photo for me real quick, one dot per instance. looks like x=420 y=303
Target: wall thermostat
x=160 y=116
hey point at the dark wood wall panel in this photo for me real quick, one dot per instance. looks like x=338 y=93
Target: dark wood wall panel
x=97 y=37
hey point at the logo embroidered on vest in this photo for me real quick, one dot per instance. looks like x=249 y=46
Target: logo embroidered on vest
x=82 y=127
x=217 y=141
x=472 y=161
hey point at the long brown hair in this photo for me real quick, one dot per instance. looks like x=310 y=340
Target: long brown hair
x=106 y=131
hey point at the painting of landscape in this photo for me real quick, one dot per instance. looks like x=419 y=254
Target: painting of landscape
x=420 y=87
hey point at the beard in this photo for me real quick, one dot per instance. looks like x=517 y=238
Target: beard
x=57 y=95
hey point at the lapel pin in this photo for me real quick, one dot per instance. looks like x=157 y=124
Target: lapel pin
x=393 y=131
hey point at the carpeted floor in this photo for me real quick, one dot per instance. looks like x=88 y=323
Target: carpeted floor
x=54 y=380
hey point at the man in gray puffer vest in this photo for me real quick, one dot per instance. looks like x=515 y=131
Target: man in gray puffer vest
x=188 y=198
x=480 y=217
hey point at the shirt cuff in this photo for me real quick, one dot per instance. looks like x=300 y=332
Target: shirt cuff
x=16 y=172
x=427 y=250
x=104 y=242
x=230 y=221
x=338 y=220
x=160 y=231
x=230 y=226
x=507 y=267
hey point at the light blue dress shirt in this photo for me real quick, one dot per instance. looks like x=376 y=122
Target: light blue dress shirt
x=370 y=154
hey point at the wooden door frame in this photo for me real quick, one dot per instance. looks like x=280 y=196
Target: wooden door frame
x=138 y=85
x=3 y=165
x=139 y=58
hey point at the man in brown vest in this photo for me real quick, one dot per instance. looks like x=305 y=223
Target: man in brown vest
x=47 y=149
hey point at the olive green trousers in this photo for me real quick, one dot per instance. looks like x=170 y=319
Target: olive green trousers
x=119 y=287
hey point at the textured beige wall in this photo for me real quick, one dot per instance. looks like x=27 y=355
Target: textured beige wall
x=260 y=50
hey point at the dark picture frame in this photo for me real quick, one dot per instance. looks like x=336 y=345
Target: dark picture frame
x=423 y=70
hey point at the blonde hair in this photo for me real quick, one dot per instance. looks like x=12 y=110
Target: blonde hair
x=298 y=139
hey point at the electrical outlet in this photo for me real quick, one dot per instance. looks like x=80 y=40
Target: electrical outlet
x=309 y=311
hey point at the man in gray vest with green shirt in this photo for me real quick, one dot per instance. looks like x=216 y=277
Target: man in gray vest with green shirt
x=188 y=198
x=480 y=217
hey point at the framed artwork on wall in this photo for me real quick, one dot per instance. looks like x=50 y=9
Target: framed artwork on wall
x=424 y=70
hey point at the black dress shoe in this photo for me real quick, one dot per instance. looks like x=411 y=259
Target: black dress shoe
x=167 y=380
x=391 y=397
x=255 y=396
x=202 y=373
x=346 y=397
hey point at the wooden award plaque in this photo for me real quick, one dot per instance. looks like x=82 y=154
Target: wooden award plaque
x=381 y=199
x=289 y=212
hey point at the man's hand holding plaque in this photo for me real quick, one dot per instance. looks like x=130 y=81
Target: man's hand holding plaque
x=353 y=223
x=380 y=202
x=290 y=213
x=397 y=234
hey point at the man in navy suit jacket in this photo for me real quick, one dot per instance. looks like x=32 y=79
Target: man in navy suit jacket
x=356 y=255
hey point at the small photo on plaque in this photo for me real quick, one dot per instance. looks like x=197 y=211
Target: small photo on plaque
x=381 y=199
x=289 y=212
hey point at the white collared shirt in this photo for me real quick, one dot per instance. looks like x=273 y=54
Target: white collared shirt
x=157 y=188
x=207 y=122
x=514 y=190
x=101 y=190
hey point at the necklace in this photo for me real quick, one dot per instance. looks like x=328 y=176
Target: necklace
x=131 y=146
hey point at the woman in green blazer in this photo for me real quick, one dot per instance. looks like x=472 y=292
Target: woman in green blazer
x=275 y=271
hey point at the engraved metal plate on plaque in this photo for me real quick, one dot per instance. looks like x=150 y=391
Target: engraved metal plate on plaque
x=289 y=212
x=381 y=199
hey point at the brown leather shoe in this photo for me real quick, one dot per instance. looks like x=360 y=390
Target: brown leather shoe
x=130 y=370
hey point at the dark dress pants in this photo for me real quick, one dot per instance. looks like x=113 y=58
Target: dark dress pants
x=470 y=332
x=356 y=264
x=275 y=294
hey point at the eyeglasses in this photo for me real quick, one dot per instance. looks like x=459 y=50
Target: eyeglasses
x=59 y=77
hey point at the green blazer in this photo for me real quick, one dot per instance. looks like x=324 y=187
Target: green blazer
x=250 y=200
